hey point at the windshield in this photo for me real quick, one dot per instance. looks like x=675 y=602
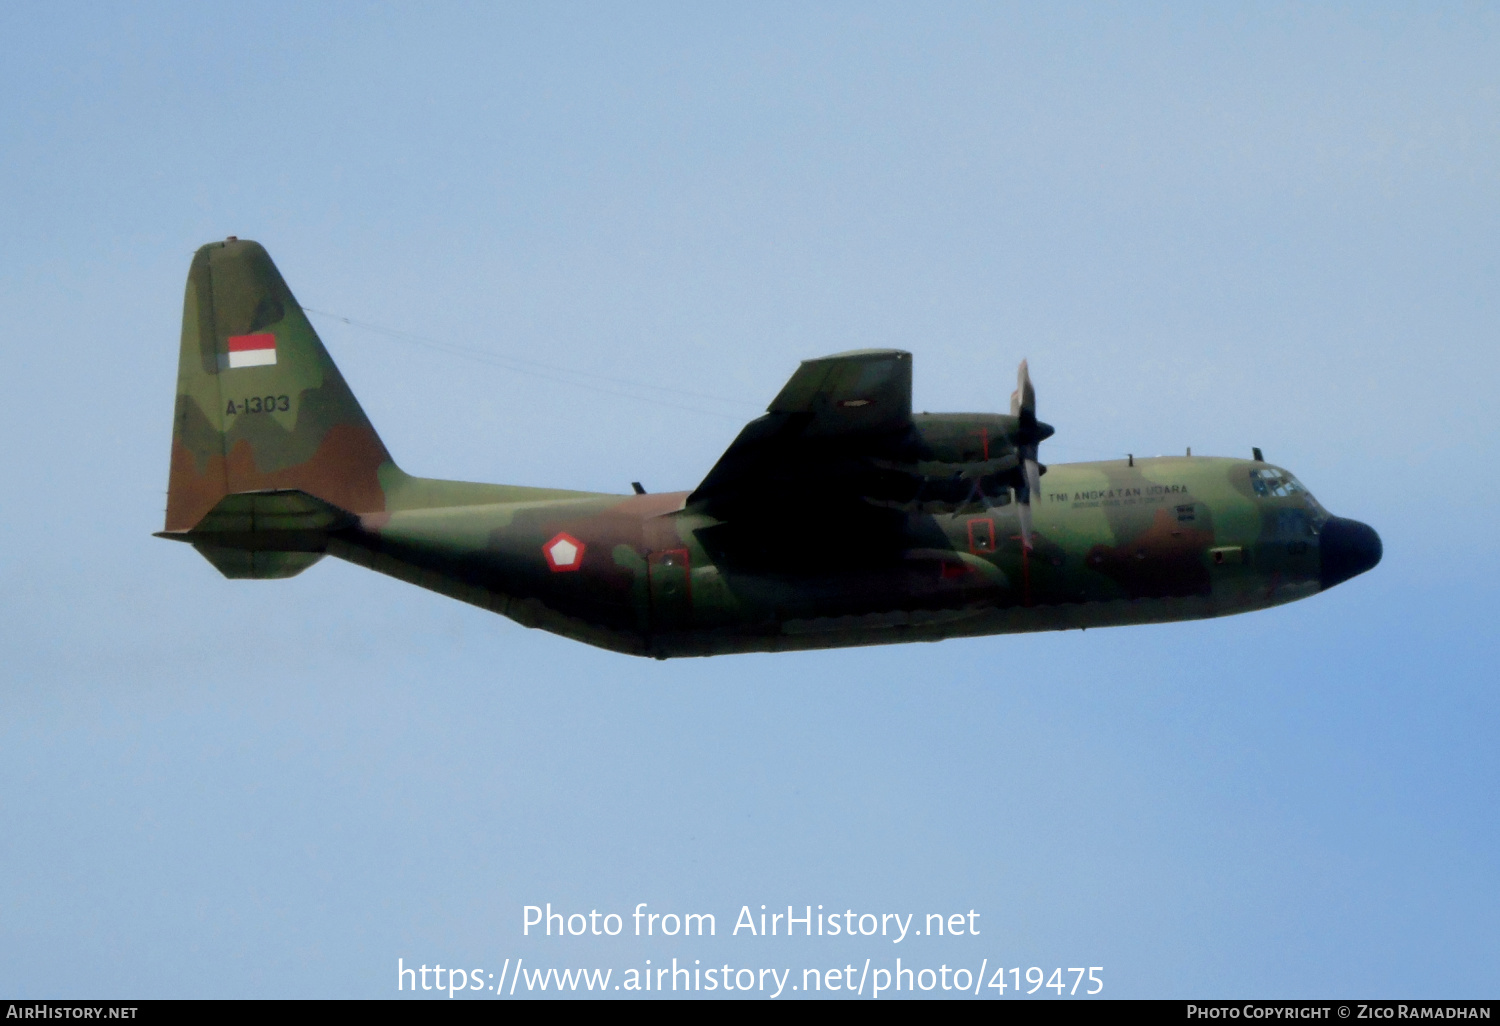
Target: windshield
x=1268 y=481
x=1272 y=482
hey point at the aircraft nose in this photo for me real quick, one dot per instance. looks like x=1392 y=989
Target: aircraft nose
x=1346 y=548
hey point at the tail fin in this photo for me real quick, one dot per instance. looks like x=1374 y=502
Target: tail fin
x=260 y=405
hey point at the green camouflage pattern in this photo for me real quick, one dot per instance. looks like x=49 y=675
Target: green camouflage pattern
x=838 y=518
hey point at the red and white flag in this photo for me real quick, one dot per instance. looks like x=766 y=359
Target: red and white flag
x=252 y=350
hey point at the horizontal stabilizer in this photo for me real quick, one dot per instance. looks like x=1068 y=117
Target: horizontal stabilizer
x=269 y=534
x=238 y=564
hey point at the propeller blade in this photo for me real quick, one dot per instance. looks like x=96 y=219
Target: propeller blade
x=1023 y=399
x=1023 y=408
x=1033 y=487
x=1033 y=480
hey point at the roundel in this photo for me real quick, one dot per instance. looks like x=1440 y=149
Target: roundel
x=563 y=552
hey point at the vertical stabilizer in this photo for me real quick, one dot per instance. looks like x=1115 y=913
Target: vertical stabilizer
x=260 y=405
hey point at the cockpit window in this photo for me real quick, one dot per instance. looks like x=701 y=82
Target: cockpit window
x=1268 y=481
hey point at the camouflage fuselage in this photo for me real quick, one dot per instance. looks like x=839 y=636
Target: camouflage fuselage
x=838 y=518
x=1161 y=539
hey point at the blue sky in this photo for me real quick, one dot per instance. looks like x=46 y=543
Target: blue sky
x=1268 y=225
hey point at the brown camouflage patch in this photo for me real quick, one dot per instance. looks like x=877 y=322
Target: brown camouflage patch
x=1164 y=561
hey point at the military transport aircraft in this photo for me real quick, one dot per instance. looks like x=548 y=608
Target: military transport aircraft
x=838 y=518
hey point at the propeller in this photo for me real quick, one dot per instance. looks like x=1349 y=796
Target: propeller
x=1028 y=437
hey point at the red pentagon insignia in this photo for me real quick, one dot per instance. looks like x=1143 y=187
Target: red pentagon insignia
x=563 y=552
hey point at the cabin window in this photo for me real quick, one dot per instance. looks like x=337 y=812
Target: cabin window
x=981 y=535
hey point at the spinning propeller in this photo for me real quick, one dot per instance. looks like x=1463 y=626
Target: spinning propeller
x=1029 y=435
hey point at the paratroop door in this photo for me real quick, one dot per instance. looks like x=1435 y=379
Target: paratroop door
x=669 y=572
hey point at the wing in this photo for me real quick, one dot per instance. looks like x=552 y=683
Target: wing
x=818 y=438
x=867 y=391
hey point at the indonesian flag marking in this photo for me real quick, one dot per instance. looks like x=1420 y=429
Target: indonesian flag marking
x=563 y=552
x=252 y=350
